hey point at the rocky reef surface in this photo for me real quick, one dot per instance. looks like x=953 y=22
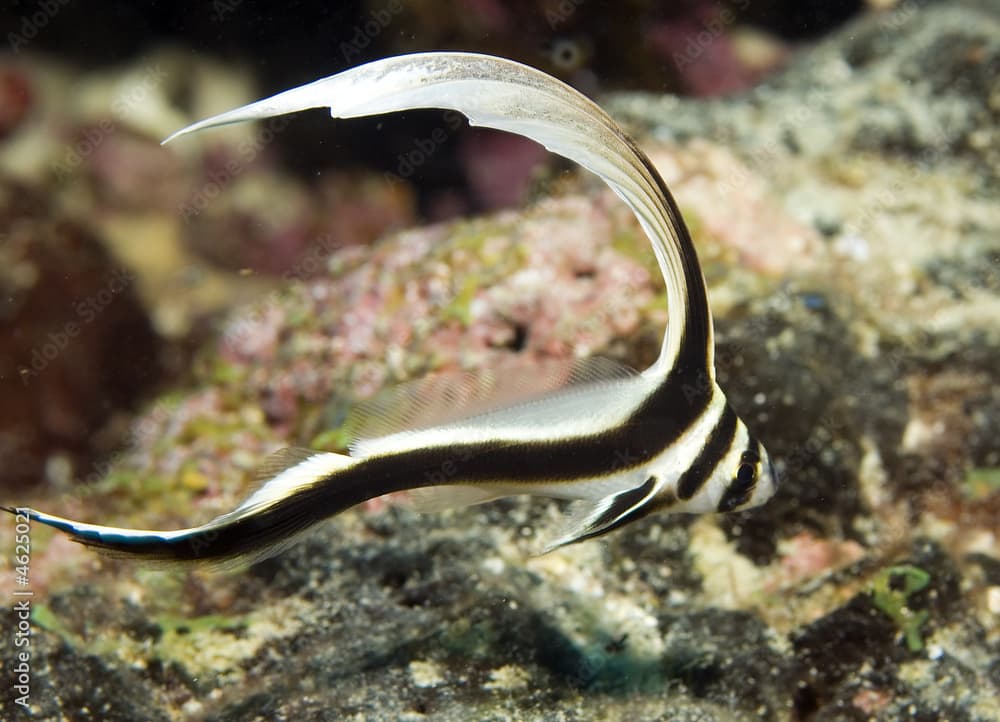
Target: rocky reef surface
x=845 y=214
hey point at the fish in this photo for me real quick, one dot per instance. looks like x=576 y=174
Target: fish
x=619 y=444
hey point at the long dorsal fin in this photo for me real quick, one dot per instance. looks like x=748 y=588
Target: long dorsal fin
x=445 y=397
x=502 y=94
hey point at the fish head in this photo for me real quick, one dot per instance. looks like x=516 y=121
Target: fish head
x=767 y=480
x=751 y=477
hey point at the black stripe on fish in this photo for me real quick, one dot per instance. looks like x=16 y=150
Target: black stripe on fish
x=716 y=446
x=698 y=322
x=741 y=487
x=663 y=417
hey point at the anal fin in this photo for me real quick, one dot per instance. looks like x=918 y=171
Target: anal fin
x=440 y=498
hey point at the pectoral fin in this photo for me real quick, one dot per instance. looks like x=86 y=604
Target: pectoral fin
x=589 y=519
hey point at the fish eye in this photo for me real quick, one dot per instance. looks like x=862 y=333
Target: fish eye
x=566 y=54
x=740 y=490
x=747 y=473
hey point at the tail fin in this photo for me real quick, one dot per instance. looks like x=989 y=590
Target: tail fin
x=287 y=504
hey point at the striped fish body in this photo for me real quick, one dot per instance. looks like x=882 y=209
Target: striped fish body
x=621 y=445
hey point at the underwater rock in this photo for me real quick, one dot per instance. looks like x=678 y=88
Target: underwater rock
x=698 y=46
x=498 y=167
x=915 y=82
x=886 y=344
x=76 y=345
x=15 y=98
x=866 y=589
x=269 y=222
x=129 y=172
x=66 y=677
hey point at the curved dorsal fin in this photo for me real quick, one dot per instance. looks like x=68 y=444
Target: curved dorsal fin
x=505 y=95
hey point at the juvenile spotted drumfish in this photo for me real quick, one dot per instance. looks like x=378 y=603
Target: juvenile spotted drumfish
x=621 y=443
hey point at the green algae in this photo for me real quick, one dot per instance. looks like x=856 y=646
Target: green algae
x=298 y=317
x=695 y=225
x=42 y=616
x=468 y=243
x=201 y=427
x=981 y=483
x=332 y=439
x=459 y=308
x=471 y=236
x=209 y=643
x=200 y=644
x=177 y=626
x=129 y=483
x=632 y=244
x=890 y=591
x=466 y=639
x=224 y=373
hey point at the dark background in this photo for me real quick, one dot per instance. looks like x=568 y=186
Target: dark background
x=597 y=45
